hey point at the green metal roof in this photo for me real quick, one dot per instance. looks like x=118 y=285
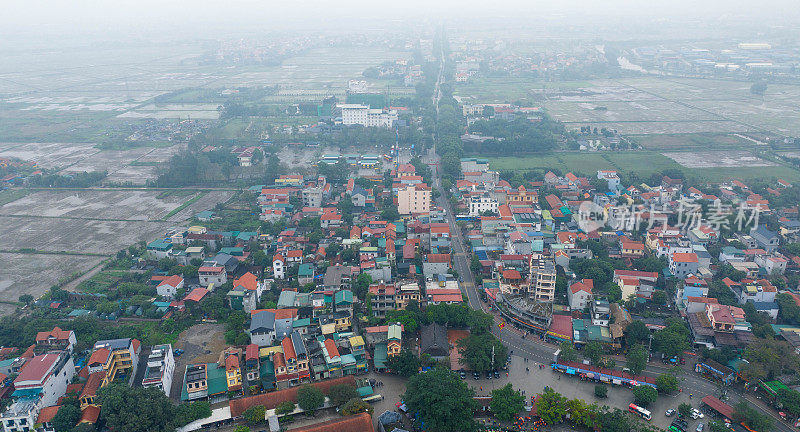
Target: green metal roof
x=217 y=383
x=381 y=353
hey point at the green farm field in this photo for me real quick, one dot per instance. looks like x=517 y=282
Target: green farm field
x=643 y=164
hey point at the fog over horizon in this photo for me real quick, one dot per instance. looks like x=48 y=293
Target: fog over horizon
x=38 y=19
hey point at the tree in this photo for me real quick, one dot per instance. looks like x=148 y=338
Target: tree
x=341 y=393
x=615 y=421
x=442 y=399
x=506 y=402
x=684 y=410
x=594 y=352
x=790 y=399
x=405 y=317
x=361 y=286
x=66 y=418
x=241 y=428
x=476 y=352
x=355 y=406
x=404 y=364
x=309 y=398
x=600 y=391
x=255 y=414
x=743 y=412
x=673 y=339
x=768 y=358
x=26 y=298
x=645 y=395
x=636 y=333
x=667 y=383
x=551 y=406
x=284 y=408
x=659 y=297
x=135 y=409
x=568 y=352
x=636 y=359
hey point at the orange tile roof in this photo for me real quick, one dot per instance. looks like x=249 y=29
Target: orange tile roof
x=56 y=333
x=248 y=281
x=47 y=414
x=93 y=384
x=100 y=356
x=330 y=346
x=684 y=257
x=288 y=348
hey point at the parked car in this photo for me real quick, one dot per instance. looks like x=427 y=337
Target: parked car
x=496 y=374
x=488 y=374
x=476 y=375
x=696 y=414
x=699 y=428
x=462 y=374
x=670 y=412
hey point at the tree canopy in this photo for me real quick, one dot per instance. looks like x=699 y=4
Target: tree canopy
x=442 y=400
x=476 y=352
x=506 y=402
x=309 y=398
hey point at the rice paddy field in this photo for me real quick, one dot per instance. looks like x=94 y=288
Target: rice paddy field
x=651 y=105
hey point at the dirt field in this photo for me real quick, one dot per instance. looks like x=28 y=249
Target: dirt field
x=35 y=274
x=202 y=343
x=729 y=159
x=87 y=221
x=100 y=204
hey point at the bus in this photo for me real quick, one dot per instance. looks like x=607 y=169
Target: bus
x=643 y=413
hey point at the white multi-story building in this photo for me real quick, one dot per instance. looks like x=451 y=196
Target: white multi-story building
x=542 y=278
x=160 y=368
x=212 y=275
x=480 y=204
x=355 y=114
x=40 y=383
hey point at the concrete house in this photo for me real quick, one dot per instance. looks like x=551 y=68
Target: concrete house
x=579 y=294
x=262 y=328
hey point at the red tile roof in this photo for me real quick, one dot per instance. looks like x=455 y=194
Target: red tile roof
x=172 y=281
x=93 y=384
x=100 y=356
x=56 y=333
x=684 y=257
x=357 y=423
x=330 y=346
x=288 y=348
x=47 y=414
x=90 y=414
x=251 y=352
x=36 y=368
x=196 y=295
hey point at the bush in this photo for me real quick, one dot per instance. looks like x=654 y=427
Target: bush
x=284 y=408
x=255 y=414
x=600 y=391
x=355 y=406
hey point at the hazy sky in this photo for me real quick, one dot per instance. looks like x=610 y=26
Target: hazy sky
x=47 y=17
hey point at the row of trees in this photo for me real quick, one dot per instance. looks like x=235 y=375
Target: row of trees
x=131 y=409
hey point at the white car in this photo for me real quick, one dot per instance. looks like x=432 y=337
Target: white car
x=696 y=414
x=699 y=428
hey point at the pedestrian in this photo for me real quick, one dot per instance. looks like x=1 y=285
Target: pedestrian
x=481 y=388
